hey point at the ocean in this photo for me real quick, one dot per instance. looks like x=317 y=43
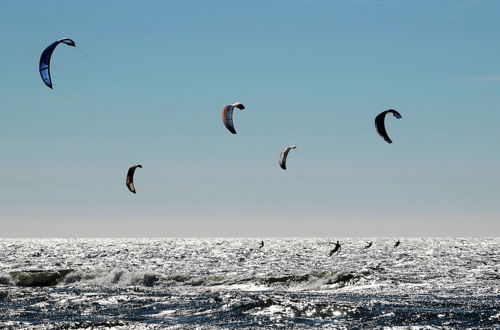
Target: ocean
x=425 y=283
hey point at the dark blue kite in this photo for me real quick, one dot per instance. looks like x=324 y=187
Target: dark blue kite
x=45 y=59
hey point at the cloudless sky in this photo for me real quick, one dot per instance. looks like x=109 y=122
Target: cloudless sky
x=147 y=82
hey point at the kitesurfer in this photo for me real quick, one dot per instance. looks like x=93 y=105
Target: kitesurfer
x=261 y=244
x=397 y=244
x=337 y=248
x=369 y=245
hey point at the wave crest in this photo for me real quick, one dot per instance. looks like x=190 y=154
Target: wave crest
x=121 y=277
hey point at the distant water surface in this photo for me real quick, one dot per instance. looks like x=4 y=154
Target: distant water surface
x=231 y=283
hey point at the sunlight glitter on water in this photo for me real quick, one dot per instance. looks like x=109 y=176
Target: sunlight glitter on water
x=153 y=283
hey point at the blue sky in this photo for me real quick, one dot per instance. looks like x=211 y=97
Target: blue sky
x=147 y=84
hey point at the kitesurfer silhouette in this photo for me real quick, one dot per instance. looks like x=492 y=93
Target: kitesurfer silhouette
x=369 y=245
x=337 y=248
x=397 y=244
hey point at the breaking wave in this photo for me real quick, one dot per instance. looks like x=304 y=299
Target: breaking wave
x=120 y=277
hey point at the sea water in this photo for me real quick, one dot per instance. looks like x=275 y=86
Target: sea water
x=232 y=283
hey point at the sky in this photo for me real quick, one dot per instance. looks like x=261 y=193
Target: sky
x=146 y=85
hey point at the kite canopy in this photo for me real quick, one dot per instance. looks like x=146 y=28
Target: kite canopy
x=130 y=178
x=380 y=123
x=44 y=66
x=227 y=115
x=284 y=155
